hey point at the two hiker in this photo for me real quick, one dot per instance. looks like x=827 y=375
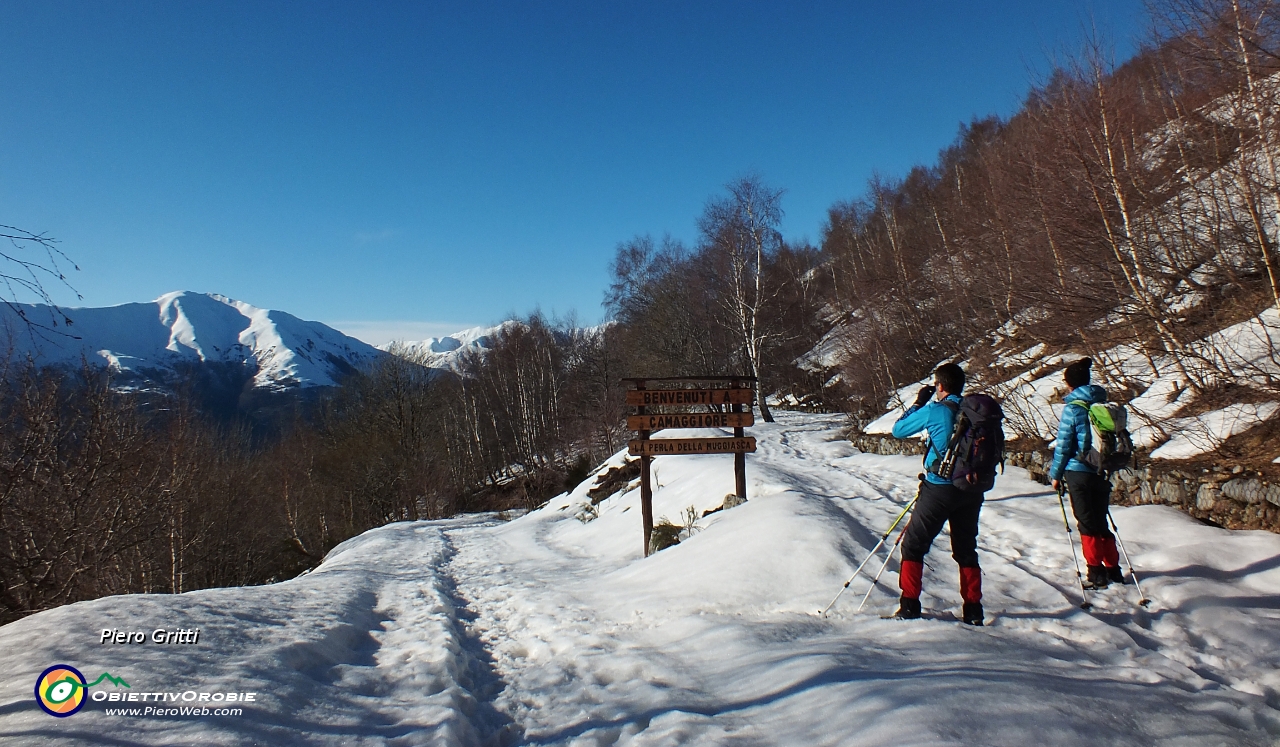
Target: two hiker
x=960 y=467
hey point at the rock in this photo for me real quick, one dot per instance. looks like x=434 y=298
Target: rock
x=1207 y=495
x=1244 y=491
x=730 y=501
x=664 y=535
x=1172 y=492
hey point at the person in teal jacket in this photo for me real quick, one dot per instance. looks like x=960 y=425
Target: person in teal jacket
x=1090 y=491
x=939 y=502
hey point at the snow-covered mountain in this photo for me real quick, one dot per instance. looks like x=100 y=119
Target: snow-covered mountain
x=447 y=352
x=147 y=342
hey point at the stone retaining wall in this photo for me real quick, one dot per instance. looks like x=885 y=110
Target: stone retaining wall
x=1230 y=497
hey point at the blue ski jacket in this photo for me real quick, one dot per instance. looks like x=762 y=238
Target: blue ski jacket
x=939 y=421
x=1073 y=431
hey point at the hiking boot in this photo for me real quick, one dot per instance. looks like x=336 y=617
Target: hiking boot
x=908 y=609
x=1098 y=577
x=972 y=613
x=1115 y=574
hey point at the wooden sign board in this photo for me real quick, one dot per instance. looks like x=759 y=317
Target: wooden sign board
x=676 y=446
x=690 y=420
x=658 y=397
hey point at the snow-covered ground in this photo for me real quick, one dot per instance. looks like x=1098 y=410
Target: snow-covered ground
x=546 y=630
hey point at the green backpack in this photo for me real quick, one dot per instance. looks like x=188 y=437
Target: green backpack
x=1109 y=446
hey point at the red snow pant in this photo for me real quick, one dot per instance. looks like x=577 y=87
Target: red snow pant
x=1090 y=501
x=938 y=505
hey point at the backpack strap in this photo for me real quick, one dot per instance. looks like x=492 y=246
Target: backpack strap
x=951 y=442
x=955 y=420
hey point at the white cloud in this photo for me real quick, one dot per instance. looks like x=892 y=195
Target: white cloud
x=382 y=331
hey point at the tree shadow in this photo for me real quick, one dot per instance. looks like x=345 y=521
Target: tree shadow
x=901 y=687
x=1217 y=574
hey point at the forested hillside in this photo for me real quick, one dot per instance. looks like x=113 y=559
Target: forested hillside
x=1129 y=206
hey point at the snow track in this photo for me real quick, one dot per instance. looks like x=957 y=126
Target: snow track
x=549 y=631
x=368 y=649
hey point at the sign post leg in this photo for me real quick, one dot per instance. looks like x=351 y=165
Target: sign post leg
x=646 y=489
x=646 y=500
x=740 y=474
x=739 y=458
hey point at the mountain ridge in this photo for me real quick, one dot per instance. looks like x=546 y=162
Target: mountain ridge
x=447 y=352
x=147 y=342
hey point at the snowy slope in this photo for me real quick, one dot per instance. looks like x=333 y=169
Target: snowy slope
x=1033 y=397
x=546 y=630
x=148 y=339
x=447 y=352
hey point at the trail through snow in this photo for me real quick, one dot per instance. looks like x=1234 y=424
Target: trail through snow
x=549 y=631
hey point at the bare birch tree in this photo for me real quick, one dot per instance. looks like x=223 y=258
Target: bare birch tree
x=741 y=230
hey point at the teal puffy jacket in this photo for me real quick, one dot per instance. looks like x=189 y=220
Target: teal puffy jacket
x=1073 y=431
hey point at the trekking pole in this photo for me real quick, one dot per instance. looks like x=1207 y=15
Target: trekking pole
x=871 y=554
x=883 y=565
x=1086 y=604
x=1142 y=598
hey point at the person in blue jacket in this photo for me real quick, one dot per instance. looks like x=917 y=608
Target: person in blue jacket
x=1090 y=491
x=939 y=502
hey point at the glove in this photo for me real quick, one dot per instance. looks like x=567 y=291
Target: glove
x=926 y=394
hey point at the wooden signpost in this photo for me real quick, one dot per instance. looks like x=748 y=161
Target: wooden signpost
x=653 y=423
x=658 y=446
x=707 y=401
x=689 y=396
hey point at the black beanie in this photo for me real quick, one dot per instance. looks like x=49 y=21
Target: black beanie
x=1077 y=374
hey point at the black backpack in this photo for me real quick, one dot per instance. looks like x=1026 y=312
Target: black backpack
x=976 y=447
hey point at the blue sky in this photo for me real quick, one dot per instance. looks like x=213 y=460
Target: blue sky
x=410 y=169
